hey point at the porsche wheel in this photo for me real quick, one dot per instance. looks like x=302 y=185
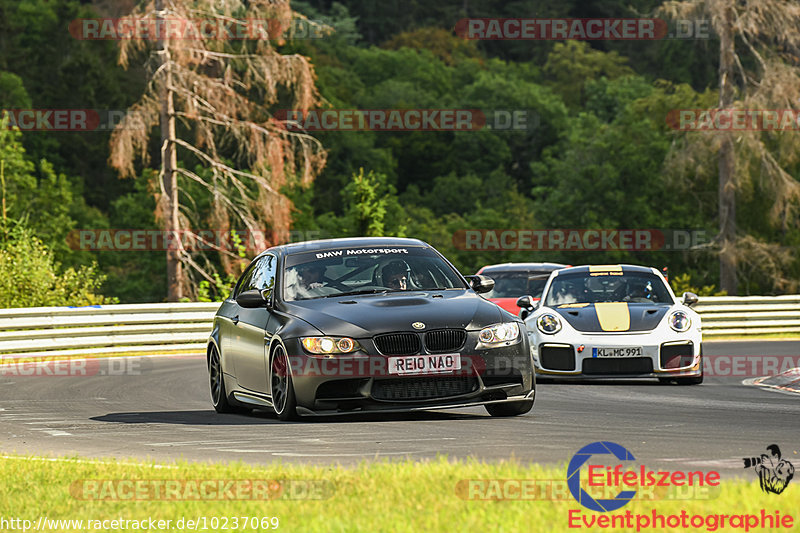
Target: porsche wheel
x=697 y=380
x=509 y=409
x=283 y=399
x=694 y=380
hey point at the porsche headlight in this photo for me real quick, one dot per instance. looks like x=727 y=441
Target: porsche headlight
x=680 y=321
x=329 y=345
x=548 y=324
x=499 y=333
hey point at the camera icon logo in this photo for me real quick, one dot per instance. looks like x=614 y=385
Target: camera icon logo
x=774 y=472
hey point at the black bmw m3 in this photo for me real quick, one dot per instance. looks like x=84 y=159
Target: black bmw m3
x=362 y=325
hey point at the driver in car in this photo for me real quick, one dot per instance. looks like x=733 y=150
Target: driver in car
x=395 y=275
x=640 y=291
x=312 y=276
x=566 y=294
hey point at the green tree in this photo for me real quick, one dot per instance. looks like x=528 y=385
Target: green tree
x=30 y=276
x=609 y=173
x=59 y=71
x=12 y=92
x=367 y=204
x=211 y=100
x=758 y=47
x=35 y=193
x=572 y=63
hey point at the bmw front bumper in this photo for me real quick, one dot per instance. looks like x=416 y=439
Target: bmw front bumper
x=361 y=382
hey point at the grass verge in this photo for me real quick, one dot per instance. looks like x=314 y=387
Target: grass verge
x=396 y=496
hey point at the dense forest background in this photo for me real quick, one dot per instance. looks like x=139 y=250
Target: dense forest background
x=597 y=158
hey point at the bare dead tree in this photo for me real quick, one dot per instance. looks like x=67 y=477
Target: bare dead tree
x=768 y=32
x=214 y=76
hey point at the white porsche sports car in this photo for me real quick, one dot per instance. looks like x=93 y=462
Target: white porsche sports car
x=603 y=321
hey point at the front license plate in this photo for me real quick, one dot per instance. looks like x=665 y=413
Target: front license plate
x=424 y=364
x=617 y=352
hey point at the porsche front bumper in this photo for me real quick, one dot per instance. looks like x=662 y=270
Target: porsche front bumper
x=600 y=356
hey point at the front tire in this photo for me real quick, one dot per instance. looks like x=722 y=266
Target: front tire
x=219 y=396
x=697 y=380
x=510 y=408
x=283 y=399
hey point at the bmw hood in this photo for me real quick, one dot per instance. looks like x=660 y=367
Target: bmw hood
x=612 y=316
x=367 y=315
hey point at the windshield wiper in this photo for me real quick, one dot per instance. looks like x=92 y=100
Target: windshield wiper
x=381 y=291
x=364 y=291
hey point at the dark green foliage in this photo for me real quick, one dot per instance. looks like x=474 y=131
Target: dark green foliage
x=593 y=157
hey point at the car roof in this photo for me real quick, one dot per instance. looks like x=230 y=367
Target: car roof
x=585 y=269
x=522 y=267
x=347 y=242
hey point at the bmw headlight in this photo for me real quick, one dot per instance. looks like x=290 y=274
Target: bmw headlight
x=680 y=321
x=499 y=333
x=329 y=345
x=548 y=324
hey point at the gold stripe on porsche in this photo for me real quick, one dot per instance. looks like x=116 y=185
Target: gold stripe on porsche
x=605 y=270
x=613 y=316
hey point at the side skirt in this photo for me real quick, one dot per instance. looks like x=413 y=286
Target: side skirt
x=251 y=399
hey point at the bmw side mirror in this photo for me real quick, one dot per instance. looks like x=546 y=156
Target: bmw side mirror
x=252 y=299
x=480 y=284
x=689 y=299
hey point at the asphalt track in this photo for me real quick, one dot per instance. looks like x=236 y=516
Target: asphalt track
x=158 y=408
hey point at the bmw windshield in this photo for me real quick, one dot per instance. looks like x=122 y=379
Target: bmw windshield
x=351 y=271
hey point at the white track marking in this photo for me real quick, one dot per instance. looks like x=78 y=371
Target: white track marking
x=56 y=422
x=366 y=454
x=52 y=432
x=188 y=443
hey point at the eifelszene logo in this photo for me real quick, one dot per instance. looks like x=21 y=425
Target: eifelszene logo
x=574 y=476
x=611 y=478
x=774 y=473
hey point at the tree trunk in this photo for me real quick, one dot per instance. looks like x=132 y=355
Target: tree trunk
x=727 y=164
x=169 y=162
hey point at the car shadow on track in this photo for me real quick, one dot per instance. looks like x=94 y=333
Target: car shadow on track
x=208 y=417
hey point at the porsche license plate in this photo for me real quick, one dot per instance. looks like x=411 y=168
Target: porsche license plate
x=424 y=364
x=617 y=352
